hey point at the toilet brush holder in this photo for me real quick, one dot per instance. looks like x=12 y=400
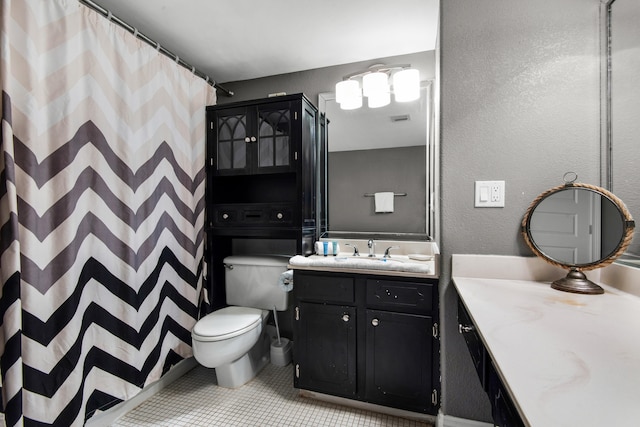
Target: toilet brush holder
x=281 y=352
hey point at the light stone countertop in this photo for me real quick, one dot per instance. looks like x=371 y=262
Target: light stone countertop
x=397 y=266
x=567 y=359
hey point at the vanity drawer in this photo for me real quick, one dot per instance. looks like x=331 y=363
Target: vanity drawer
x=400 y=295
x=323 y=288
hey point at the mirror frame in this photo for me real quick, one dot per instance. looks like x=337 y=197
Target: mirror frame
x=432 y=162
x=606 y=71
x=576 y=281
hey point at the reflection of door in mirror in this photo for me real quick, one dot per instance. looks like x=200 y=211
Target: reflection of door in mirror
x=562 y=225
x=576 y=226
x=624 y=130
x=378 y=150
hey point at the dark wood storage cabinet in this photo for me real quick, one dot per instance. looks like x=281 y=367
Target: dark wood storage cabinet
x=367 y=337
x=263 y=176
x=503 y=410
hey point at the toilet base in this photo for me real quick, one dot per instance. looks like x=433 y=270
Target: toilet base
x=244 y=369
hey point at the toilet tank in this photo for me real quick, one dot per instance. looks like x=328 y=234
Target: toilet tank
x=252 y=281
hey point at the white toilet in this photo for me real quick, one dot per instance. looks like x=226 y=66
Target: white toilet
x=233 y=340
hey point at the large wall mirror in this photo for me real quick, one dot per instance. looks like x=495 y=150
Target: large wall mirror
x=622 y=94
x=387 y=149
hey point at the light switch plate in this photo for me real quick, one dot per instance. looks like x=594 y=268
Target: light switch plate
x=489 y=194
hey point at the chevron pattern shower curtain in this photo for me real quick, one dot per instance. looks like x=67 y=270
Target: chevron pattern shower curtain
x=101 y=212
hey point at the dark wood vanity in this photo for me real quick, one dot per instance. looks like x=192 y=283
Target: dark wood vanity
x=368 y=337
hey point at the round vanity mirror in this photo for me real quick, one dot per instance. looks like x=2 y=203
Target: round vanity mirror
x=579 y=227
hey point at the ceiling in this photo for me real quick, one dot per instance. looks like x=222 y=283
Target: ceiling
x=231 y=40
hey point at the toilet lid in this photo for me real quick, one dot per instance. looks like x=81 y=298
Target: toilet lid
x=226 y=323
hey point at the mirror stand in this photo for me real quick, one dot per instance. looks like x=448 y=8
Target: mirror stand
x=576 y=281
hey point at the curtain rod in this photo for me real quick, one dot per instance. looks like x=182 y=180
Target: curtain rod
x=107 y=14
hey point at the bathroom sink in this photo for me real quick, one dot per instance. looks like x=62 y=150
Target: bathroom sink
x=398 y=263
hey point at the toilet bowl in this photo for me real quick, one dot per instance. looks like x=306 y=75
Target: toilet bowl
x=233 y=341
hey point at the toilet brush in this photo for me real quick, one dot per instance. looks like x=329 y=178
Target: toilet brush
x=275 y=318
x=281 y=350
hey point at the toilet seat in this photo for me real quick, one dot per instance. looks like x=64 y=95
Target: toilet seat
x=226 y=323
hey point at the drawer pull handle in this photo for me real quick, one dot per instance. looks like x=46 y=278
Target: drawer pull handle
x=225 y=216
x=465 y=328
x=345 y=318
x=375 y=322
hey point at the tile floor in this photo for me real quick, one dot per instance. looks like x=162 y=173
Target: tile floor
x=268 y=400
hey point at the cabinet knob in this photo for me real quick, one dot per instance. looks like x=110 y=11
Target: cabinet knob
x=225 y=216
x=247 y=139
x=465 y=328
x=345 y=318
x=375 y=322
x=253 y=139
x=279 y=215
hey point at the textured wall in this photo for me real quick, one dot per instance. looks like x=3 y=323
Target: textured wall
x=520 y=103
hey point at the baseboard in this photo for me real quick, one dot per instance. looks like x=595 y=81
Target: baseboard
x=449 y=421
x=110 y=416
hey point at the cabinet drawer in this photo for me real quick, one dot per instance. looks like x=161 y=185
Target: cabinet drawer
x=323 y=288
x=253 y=214
x=397 y=295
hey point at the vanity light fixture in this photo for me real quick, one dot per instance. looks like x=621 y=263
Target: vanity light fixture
x=349 y=95
x=375 y=86
x=406 y=85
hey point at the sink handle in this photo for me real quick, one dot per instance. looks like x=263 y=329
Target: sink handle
x=387 y=251
x=355 y=249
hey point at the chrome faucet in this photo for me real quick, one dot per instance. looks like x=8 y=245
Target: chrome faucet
x=355 y=249
x=372 y=248
x=387 y=252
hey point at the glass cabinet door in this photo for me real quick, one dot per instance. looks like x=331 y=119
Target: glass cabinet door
x=252 y=139
x=232 y=145
x=274 y=137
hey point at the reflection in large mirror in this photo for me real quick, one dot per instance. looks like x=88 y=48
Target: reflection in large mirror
x=580 y=227
x=622 y=93
x=373 y=150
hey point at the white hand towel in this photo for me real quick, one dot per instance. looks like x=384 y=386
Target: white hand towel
x=384 y=202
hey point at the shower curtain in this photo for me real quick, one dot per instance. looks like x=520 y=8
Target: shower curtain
x=101 y=212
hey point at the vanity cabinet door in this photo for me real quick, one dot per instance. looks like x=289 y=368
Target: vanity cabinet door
x=325 y=347
x=503 y=410
x=399 y=360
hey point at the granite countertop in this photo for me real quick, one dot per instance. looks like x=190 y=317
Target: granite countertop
x=567 y=359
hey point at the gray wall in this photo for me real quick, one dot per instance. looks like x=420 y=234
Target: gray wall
x=353 y=173
x=520 y=103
